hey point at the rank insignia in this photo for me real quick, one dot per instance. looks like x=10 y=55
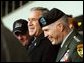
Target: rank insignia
x=80 y=50
x=43 y=21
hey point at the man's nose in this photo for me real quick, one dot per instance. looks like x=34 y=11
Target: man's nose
x=29 y=23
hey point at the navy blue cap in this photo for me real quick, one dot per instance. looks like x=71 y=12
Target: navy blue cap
x=20 y=26
x=50 y=17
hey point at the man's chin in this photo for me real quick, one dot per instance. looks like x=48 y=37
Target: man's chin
x=53 y=43
x=31 y=34
x=23 y=44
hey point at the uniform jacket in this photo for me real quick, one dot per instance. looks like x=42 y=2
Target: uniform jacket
x=42 y=50
x=72 y=50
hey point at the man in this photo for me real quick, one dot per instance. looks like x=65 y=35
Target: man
x=41 y=50
x=11 y=51
x=56 y=29
x=20 y=31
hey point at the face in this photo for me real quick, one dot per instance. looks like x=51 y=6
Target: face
x=23 y=38
x=53 y=33
x=33 y=23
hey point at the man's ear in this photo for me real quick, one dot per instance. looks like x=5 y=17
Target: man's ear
x=60 y=27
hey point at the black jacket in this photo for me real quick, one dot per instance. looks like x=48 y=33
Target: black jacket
x=42 y=50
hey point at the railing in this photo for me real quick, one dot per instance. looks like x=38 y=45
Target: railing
x=9 y=6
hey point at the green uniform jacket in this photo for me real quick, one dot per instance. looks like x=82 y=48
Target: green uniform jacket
x=72 y=50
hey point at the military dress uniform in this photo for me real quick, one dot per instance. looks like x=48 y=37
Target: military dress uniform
x=41 y=50
x=72 y=49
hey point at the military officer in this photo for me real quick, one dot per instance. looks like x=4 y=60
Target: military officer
x=56 y=29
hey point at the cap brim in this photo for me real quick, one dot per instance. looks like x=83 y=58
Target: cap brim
x=17 y=31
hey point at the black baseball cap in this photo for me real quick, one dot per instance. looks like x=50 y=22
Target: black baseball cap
x=20 y=26
x=50 y=17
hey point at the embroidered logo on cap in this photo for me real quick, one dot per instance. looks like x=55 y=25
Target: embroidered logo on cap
x=18 y=25
x=43 y=21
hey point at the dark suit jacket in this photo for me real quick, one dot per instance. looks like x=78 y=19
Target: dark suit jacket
x=42 y=50
x=69 y=53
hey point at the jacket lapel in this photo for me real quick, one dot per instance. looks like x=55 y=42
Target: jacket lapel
x=61 y=53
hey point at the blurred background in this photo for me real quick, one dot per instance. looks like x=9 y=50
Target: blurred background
x=13 y=10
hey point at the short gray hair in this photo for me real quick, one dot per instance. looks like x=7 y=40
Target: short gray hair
x=42 y=9
x=64 y=20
